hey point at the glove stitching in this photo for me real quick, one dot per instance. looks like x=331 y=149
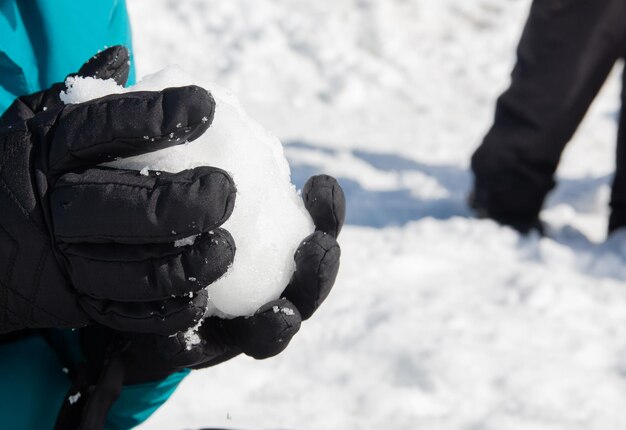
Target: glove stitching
x=10 y=193
x=287 y=326
x=14 y=324
x=37 y=281
x=157 y=184
x=317 y=272
x=123 y=261
x=146 y=318
x=184 y=233
x=4 y=297
x=13 y=111
x=104 y=184
x=42 y=310
x=152 y=299
x=316 y=302
x=73 y=152
x=9 y=311
x=3 y=301
x=334 y=213
x=175 y=253
x=13 y=313
x=12 y=196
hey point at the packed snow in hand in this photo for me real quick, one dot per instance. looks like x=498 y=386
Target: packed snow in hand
x=269 y=219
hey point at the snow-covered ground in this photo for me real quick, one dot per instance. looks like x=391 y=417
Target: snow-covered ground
x=438 y=321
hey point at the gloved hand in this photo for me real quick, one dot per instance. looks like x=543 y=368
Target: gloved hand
x=267 y=332
x=80 y=242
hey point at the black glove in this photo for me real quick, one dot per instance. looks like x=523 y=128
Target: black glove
x=267 y=332
x=80 y=242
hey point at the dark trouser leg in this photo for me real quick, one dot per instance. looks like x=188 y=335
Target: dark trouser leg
x=567 y=49
x=618 y=193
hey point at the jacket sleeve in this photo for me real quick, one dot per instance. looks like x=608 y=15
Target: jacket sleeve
x=41 y=43
x=28 y=363
x=135 y=403
x=138 y=402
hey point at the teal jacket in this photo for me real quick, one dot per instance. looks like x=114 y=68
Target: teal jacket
x=41 y=41
x=34 y=383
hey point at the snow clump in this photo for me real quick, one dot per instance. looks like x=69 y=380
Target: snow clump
x=269 y=219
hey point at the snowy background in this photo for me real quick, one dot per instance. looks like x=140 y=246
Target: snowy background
x=438 y=321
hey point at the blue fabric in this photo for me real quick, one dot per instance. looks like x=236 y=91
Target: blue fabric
x=41 y=41
x=33 y=385
x=137 y=402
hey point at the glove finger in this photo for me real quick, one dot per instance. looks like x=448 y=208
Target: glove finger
x=164 y=317
x=317 y=264
x=125 y=125
x=197 y=348
x=326 y=202
x=112 y=63
x=123 y=206
x=168 y=354
x=267 y=332
x=25 y=107
x=132 y=273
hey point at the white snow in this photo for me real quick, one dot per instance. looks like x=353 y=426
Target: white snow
x=185 y=240
x=269 y=219
x=438 y=321
x=81 y=89
x=74 y=398
x=191 y=336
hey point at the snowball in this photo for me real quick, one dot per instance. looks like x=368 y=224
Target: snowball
x=269 y=219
